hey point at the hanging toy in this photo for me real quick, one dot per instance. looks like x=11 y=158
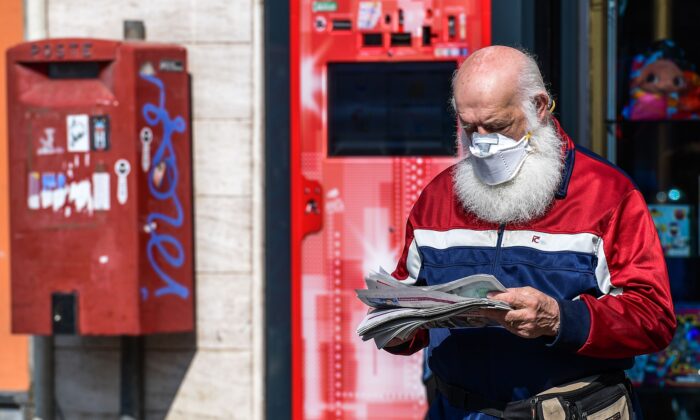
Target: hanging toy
x=663 y=85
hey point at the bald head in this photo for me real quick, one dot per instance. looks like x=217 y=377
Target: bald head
x=491 y=70
x=496 y=87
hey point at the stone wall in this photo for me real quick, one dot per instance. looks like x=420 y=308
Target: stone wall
x=217 y=371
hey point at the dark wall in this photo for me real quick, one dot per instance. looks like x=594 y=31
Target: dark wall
x=550 y=30
x=278 y=358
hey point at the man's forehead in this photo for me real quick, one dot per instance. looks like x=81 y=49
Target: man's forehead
x=482 y=102
x=486 y=117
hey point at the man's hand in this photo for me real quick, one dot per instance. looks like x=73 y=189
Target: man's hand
x=534 y=313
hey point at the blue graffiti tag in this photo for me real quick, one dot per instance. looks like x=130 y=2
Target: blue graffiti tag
x=165 y=244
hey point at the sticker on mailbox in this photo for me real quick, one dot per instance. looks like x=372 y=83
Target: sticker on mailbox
x=122 y=169
x=99 y=126
x=78 y=130
x=33 y=200
x=47 y=143
x=100 y=190
x=146 y=136
x=171 y=65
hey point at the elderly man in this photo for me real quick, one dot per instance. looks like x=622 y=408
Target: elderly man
x=566 y=232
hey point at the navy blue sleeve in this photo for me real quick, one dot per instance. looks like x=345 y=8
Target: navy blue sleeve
x=574 y=325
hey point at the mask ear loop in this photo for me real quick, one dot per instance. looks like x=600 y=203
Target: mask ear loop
x=527 y=138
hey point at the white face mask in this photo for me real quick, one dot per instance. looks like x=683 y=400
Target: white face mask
x=498 y=158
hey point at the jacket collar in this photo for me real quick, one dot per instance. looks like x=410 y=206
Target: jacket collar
x=568 y=150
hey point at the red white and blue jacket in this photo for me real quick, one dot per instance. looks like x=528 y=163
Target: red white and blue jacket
x=595 y=251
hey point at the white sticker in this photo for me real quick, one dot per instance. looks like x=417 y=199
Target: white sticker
x=80 y=195
x=47 y=147
x=100 y=190
x=122 y=169
x=51 y=190
x=78 y=129
x=369 y=14
x=59 y=198
x=147 y=69
x=146 y=136
x=34 y=184
x=46 y=199
x=49 y=183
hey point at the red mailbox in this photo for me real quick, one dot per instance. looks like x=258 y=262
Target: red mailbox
x=100 y=186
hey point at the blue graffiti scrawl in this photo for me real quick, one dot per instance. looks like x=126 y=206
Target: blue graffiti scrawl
x=167 y=246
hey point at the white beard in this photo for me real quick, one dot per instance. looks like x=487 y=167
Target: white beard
x=524 y=198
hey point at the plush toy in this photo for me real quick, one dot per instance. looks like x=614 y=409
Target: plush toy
x=663 y=85
x=689 y=102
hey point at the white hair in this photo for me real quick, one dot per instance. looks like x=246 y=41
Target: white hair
x=530 y=85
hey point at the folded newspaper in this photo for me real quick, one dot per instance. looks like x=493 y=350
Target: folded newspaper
x=400 y=309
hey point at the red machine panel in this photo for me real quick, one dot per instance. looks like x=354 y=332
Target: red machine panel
x=371 y=126
x=100 y=185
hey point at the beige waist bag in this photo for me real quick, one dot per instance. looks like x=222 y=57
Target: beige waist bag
x=603 y=397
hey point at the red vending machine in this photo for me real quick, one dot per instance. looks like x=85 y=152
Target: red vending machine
x=371 y=126
x=100 y=187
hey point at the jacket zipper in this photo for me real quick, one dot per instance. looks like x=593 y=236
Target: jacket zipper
x=496 y=261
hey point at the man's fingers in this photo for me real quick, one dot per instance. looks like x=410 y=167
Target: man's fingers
x=501 y=296
x=494 y=314
x=534 y=313
x=518 y=316
x=515 y=297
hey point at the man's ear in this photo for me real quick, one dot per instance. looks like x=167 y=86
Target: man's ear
x=541 y=105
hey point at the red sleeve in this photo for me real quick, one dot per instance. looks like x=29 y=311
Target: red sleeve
x=421 y=339
x=641 y=318
x=401 y=271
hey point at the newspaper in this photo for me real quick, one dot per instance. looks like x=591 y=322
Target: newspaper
x=399 y=309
